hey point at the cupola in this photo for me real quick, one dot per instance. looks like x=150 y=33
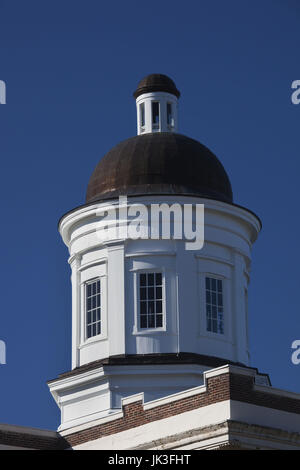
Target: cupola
x=156 y=102
x=150 y=315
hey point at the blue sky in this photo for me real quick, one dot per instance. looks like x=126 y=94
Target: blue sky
x=70 y=69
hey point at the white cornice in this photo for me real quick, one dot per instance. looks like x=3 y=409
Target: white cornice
x=91 y=211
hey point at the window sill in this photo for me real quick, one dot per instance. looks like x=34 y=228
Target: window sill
x=94 y=339
x=149 y=331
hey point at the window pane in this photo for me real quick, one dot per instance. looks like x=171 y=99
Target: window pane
x=143 y=292
x=142 y=114
x=143 y=308
x=214 y=284
x=151 y=293
x=214 y=312
x=142 y=279
x=159 y=319
x=151 y=323
x=158 y=279
x=150 y=307
x=150 y=279
x=169 y=114
x=155 y=112
x=143 y=321
x=158 y=306
x=158 y=293
x=89 y=331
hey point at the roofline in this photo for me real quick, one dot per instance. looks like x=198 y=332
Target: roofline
x=212 y=362
x=155 y=89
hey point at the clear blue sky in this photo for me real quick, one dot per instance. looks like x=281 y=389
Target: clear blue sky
x=70 y=69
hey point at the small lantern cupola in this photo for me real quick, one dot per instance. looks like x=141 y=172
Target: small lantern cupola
x=156 y=102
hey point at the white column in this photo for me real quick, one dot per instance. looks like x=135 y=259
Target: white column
x=76 y=314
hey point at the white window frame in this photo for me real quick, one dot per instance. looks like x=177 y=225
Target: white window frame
x=226 y=307
x=137 y=329
x=223 y=307
x=84 y=340
x=86 y=284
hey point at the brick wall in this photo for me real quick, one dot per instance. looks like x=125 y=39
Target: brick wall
x=32 y=441
x=219 y=388
x=241 y=389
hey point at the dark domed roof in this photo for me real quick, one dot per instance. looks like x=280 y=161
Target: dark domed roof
x=159 y=163
x=156 y=82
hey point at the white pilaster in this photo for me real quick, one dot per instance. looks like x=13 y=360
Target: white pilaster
x=75 y=279
x=116 y=300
